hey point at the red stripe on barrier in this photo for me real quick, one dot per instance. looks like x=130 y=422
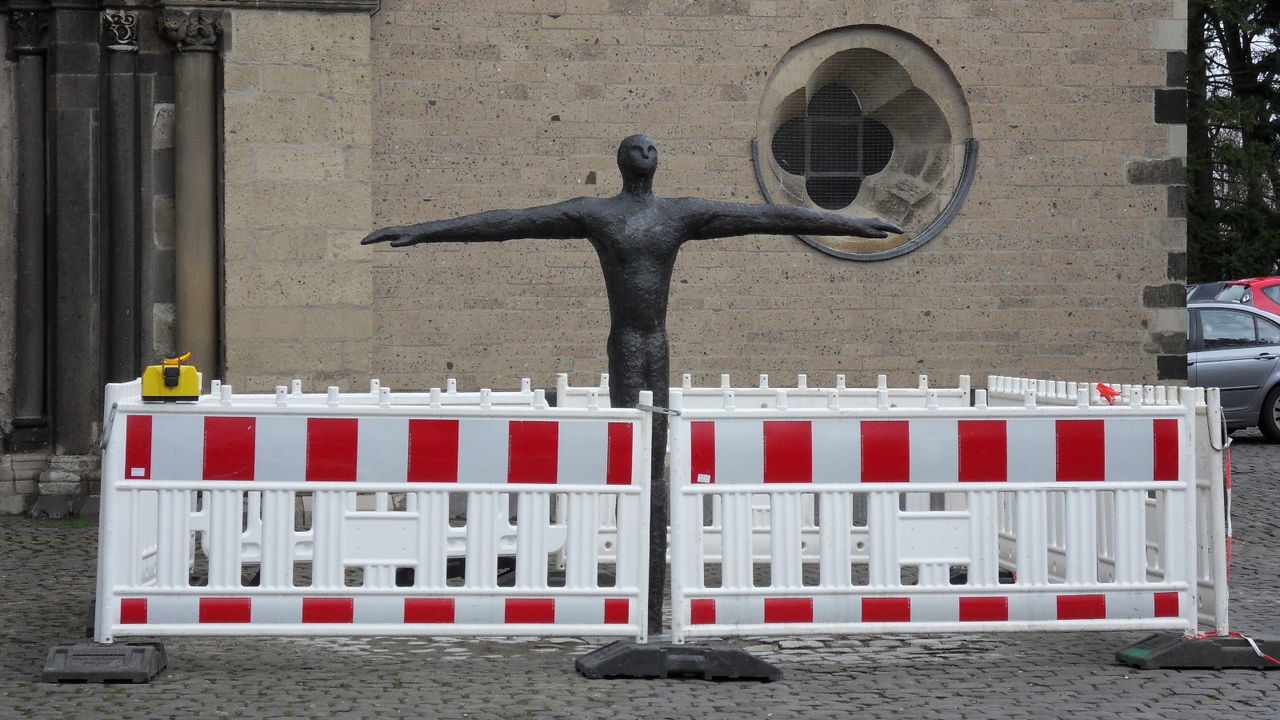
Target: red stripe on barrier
x=328 y=610
x=133 y=611
x=530 y=610
x=984 y=609
x=533 y=451
x=229 y=446
x=617 y=611
x=1081 y=450
x=886 y=609
x=1167 y=604
x=618 y=465
x=225 y=610
x=331 y=449
x=137 y=447
x=984 y=451
x=433 y=451
x=886 y=451
x=703 y=610
x=1082 y=607
x=783 y=610
x=788 y=451
x=1165 y=442
x=702 y=451
x=428 y=610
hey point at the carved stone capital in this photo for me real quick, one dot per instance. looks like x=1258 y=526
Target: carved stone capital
x=367 y=7
x=194 y=31
x=30 y=31
x=121 y=28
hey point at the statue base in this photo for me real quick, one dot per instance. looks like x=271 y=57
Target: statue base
x=94 y=662
x=710 y=661
x=1217 y=652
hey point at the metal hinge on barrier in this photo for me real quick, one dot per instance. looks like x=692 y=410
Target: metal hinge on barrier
x=106 y=430
x=656 y=409
x=1224 y=433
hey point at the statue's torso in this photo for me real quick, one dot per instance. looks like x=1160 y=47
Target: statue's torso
x=637 y=243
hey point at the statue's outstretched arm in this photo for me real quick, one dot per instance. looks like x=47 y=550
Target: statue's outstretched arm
x=714 y=219
x=560 y=220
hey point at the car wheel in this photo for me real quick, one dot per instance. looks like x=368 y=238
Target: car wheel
x=1269 y=418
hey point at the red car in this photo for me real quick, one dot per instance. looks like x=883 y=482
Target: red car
x=1260 y=292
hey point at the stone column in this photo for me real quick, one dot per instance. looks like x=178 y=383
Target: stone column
x=74 y=233
x=31 y=421
x=122 y=243
x=197 y=257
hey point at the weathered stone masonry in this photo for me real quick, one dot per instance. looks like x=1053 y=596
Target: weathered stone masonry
x=125 y=248
x=1075 y=211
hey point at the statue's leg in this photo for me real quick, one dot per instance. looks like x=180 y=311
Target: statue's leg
x=638 y=361
x=626 y=367
x=656 y=379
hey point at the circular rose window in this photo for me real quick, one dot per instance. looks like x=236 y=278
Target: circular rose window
x=866 y=121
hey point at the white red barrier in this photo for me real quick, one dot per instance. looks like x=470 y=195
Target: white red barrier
x=293 y=395
x=200 y=533
x=801 y=396
x=786 y=519
x=1003 y=390
x=1213 y=517
x=898 y=567
x=762 y=395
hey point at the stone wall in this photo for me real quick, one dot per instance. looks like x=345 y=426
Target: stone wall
x=297 y=198
x=1064 y=261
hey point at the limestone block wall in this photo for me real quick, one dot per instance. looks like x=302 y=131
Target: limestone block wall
x=297 y=134
x=1065 y=261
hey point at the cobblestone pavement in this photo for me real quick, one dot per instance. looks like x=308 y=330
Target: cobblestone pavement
x=46 y=576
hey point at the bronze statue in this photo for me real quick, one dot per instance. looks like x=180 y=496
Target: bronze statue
x=637 y=236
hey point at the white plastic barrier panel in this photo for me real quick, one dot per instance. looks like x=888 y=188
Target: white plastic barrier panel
x=200 y=533
x=800 y=396
x=1212 y=494
x=1003 y=390
x=378 y=394
x=884 y=565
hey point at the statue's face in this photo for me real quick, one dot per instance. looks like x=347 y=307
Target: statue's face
x=638 y=155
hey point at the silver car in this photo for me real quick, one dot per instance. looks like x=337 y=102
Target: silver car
x=1237 y=348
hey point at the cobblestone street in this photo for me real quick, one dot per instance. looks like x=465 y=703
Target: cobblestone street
x=46 y=578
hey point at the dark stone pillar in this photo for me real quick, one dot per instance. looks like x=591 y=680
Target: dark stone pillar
x=197 y=255
x=74 y=96
x=30 y=421
x=122 y=162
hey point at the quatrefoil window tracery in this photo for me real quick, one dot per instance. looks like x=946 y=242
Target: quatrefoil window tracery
x=833 y=146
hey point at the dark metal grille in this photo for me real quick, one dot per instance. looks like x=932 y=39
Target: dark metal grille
x=833 y=146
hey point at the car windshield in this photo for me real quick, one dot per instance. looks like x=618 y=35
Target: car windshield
x=1232 y=293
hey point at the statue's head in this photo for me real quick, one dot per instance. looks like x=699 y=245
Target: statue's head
x=638 y=156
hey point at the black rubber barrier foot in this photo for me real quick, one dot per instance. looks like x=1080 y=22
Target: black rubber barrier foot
x=710 y=661
x=1174 y=651
x=93 y=662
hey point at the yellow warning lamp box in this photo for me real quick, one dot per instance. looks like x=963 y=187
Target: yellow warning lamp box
x=171 y=381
